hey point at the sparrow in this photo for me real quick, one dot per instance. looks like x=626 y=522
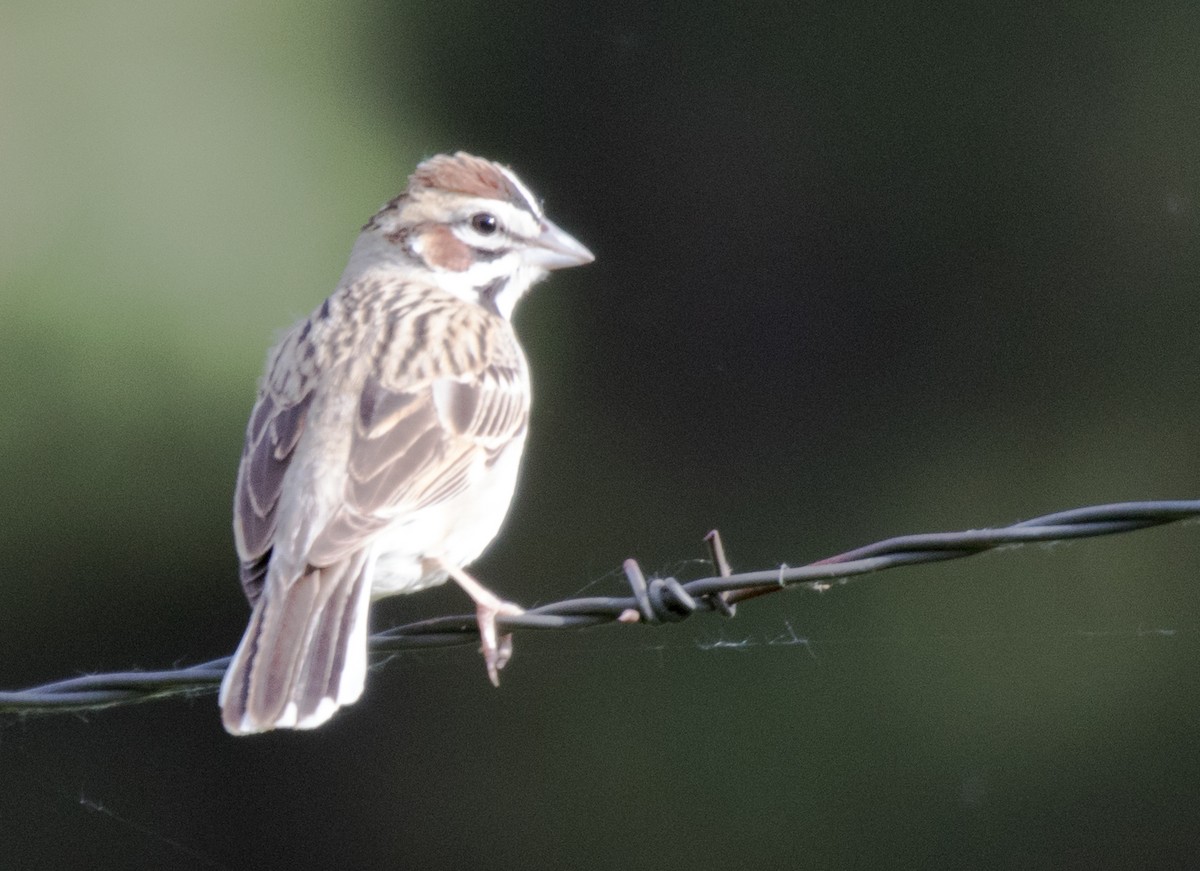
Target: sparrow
x=383 y=450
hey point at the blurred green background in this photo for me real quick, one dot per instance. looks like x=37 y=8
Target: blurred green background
x=861 y=270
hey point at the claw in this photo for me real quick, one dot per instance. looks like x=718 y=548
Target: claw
x=496 y=649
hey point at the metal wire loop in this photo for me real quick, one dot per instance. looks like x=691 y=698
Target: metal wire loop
x=660 y=600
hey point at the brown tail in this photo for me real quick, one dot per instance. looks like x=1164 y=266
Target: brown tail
x=304 y=654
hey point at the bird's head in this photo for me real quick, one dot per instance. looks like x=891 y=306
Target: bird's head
x=471 y=227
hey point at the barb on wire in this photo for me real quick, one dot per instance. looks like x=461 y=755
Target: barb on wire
x=656 y=600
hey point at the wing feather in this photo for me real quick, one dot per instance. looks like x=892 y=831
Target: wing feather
x=422 y=430
x=444 y=394
x=276 y=425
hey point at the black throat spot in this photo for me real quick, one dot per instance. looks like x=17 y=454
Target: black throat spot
x=489 y=292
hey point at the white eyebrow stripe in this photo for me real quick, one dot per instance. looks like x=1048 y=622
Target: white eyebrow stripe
x=530 y=200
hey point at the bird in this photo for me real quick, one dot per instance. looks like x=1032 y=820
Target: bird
x=383 y=450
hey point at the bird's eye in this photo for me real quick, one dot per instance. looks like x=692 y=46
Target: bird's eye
x=483 y=223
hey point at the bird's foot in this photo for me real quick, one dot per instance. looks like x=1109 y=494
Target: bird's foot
x=496 y=648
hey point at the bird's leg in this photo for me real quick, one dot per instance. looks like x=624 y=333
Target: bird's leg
x=496 y=649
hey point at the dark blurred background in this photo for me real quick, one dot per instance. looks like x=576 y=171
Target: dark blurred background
x=861 y=271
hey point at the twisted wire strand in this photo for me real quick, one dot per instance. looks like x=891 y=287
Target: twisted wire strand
x=656 y=600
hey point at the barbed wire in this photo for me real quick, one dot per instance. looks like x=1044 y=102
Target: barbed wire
x=657 y=600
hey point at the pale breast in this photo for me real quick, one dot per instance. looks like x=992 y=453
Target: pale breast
x=455 y=531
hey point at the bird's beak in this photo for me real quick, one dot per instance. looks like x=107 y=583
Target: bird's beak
x=554 y=248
